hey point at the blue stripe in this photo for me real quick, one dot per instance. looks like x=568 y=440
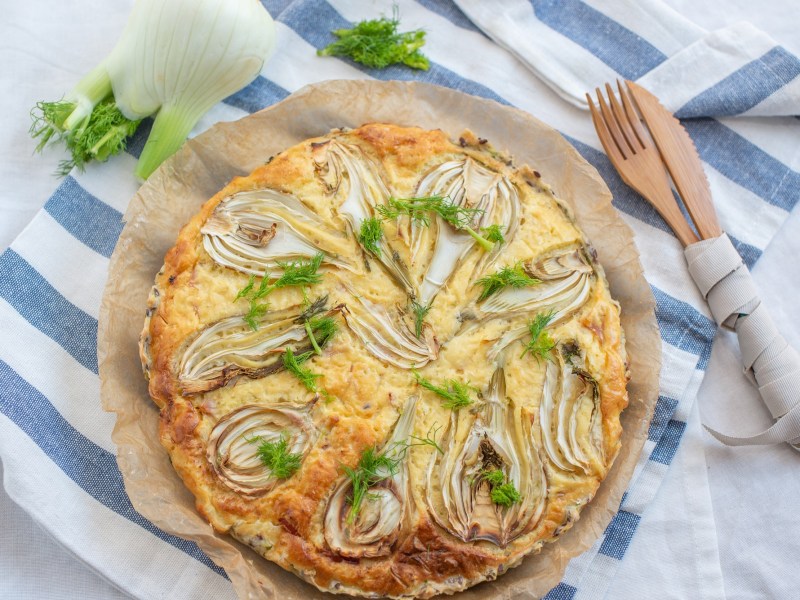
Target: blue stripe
x=747 y=87
x=619 y=534
x=259 y=94
x=667 y=446
x=683 y=327
x=744 y=163
x=296 y=17
x=451 y=12
x=275 y=7
x=88 y=219
x=665 y=408
x=137 y=141
x=626 y=52
x=47 y=310
x=87 y=464
x=561 y=592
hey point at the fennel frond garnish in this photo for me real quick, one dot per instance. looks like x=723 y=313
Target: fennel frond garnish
x=370 y=234
x=493 y=233
x=320 y=330
x=277 y=457
x=503 y=492
x=294 y=364
x=297 y=273
x=541 y=343
x=455 y=393
x=429 y=439
x=377 y=44
x=420 y=312
x=513 y=276
x=420 y=209
x=372 y=468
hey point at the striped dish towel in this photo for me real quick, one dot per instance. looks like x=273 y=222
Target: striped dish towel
x=55 y=441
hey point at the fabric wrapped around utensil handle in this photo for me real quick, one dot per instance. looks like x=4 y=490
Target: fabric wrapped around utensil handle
x=769 y=361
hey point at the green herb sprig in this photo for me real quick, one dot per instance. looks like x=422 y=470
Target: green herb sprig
x=541 y=343
x=100 y=135
x=294 y=364
x=276 y=456
x=420 y=312
x=370 y=235
x=494 y=234
x=503 y=492
x=419 y=209
x=372 y=468
x=377 y=44
x=456 y=394
x=509 y=276
x=429 y=439
x=296 y=273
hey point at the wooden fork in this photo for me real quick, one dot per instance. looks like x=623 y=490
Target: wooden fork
x=633 y=153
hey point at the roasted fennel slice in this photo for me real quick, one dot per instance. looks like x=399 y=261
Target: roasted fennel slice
x=571 y=400
x=390 y=336
x=566 y=277
x=230 y=348
x=477 y=448
x=346 y=170
x=369 y=504
x=442 y=246
x=253 y=232
x=237 y=444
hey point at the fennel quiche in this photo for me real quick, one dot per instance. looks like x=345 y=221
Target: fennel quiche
x=387 y=361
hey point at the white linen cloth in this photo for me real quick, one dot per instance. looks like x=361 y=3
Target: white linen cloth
x=673 y=560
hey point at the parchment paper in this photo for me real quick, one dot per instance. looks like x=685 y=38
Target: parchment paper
x=205 y=164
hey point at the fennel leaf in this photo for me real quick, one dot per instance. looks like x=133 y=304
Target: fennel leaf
x=294 y=364
x=296 y=273
x=455 y=393
x=420 y=312
x=541 y=343
x=372 y=468
x=276 y=457
x=100 y=135
x=503 y=492
x=494 y=234
x=513 y=276
x=429 y=439
x=371 y=233
x=376 y=43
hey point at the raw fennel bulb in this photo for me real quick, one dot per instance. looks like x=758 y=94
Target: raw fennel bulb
x=175 y=59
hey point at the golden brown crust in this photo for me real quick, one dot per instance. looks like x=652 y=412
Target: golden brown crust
x=284 y=524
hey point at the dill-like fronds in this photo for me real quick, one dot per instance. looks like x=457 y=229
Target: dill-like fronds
x=513 y=276
x=420 y=312
x=276 y=457
x=371 y=233
x=541 y=343
x=294 y=364
x=377 y=44
x=371 y=469
x=454 y=392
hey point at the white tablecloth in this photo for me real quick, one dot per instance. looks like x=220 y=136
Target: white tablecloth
x=723 y=523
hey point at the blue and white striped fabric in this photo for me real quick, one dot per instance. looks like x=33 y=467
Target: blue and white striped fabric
x=55 y=441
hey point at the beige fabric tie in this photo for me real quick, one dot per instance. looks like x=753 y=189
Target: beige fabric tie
x=769 y=362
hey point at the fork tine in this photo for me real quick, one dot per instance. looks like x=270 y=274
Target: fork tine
x=633 y=118
x=611 y=123
x=622 y=121
x=603 y=133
